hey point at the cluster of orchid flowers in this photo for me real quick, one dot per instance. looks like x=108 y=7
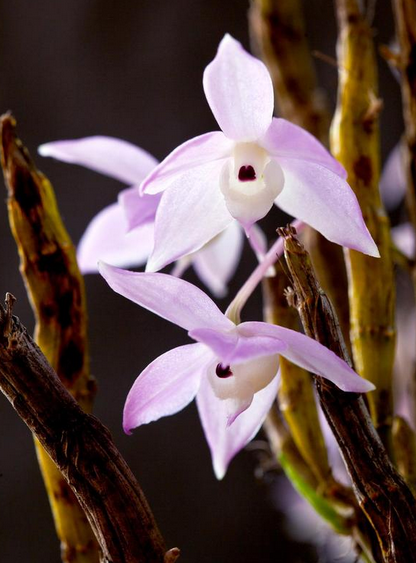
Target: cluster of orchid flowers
x=194 y=208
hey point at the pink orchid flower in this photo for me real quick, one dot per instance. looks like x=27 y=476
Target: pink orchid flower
x=231 y=370
x=123 y=232
x=255 y=162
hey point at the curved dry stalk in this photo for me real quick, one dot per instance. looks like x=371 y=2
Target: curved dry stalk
x=82 y=449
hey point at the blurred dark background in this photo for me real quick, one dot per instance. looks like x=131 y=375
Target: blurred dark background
x=133 y=70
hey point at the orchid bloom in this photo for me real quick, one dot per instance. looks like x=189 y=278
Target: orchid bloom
x=241 y=172
x=231 y=369
x=123 y=232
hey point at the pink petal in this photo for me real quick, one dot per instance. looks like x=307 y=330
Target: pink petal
x=195 y=152
x=226 y=441
x=393 y=179
x=171 y=298
x=108 y=155
x=285 y=139
x=404 y=238
x=138 y=209
x=258 y=242
x=310 y=355
x=239 y=91
x=106 y=238
x=166 y=386
x=216 y=262
x=191 y=213
x=326 y=202
x=235 y=347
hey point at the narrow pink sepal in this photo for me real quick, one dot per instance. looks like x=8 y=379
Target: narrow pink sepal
x=171 y=298
x=239 y=91
x=190 y=214
x=216 y=262
x=285 y=139
x=138 y=209
x=166 y=386
x=225 y=440
x=106 y=238
x=233 y=347
x=108 y=155
x=310 y=355
x=323 y=200
x=191 y=154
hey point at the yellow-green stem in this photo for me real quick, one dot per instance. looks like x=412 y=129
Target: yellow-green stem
x=355 y=143
x=56 y=291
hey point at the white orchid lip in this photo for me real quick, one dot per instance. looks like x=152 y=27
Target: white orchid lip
x=250 y=182
x=241 y=381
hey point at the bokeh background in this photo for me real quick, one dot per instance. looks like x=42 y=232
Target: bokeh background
x=133 y=70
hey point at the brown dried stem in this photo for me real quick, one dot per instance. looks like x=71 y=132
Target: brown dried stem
x=381 y=492
x=82 y=449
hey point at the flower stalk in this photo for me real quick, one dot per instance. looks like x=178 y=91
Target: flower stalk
x=355 y=143
x=56 y=292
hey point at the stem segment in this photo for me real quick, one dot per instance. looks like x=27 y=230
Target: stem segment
x=355 y=143
x=82 y=449
x=56 y=292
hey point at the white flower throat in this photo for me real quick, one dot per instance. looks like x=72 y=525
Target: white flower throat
x=241 y=381
x=250 y=182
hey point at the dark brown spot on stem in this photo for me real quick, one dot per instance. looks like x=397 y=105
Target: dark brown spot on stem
x=363 y=169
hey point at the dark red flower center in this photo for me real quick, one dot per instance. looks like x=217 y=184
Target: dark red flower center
x=223 y=371
x=246 y=174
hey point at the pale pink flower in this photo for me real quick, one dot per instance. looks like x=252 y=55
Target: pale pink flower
x=122 y=233
x=231 y=370
x=239 y=173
